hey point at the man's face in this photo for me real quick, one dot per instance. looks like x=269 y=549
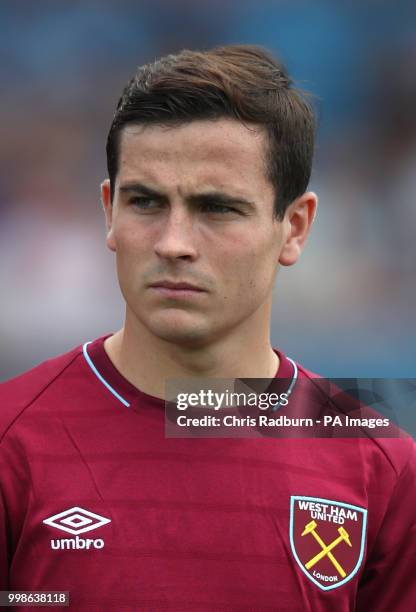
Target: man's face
x=192 y=204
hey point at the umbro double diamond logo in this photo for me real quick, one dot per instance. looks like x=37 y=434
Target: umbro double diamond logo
x=75 y=521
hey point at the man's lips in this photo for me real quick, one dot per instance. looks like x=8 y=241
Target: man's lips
x=177 y=291
x=182 y=286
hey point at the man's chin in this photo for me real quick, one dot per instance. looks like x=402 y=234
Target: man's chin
x=182 y=333
x=184 y=338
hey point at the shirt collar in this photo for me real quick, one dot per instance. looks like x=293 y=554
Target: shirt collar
x=127 y=394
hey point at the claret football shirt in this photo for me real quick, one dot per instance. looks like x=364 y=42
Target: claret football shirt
x=95 y=500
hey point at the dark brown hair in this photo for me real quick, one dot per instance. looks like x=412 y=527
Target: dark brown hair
x=236 y=81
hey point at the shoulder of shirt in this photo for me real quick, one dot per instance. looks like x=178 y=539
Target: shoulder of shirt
x=21 y=392
x=399 y=452
x=307 y=373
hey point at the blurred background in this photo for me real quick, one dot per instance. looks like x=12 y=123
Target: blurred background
x=347 y=308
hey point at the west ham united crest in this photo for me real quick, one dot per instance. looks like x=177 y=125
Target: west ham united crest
x=327 y=539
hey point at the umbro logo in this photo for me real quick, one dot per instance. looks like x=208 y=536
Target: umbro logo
x=76 y=520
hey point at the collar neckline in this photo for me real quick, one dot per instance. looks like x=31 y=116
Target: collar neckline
x=129 y=395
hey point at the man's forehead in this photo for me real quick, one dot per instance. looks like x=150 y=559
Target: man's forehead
x=213 y=149
x=208 y=138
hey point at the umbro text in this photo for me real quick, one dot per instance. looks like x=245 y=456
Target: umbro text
x=76 y=543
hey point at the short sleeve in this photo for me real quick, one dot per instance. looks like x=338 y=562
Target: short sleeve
x=4 y=564
x=389 y=579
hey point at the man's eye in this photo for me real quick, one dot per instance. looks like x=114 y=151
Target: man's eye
x=147 y=203
x=219 y=208
x=143 y=202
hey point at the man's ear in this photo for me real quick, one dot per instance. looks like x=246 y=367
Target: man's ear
x=108 y=212
x=297 y=223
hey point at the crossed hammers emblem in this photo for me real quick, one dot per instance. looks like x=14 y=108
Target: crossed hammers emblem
x=326 y=549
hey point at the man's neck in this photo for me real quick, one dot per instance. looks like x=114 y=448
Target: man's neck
x=147 y=361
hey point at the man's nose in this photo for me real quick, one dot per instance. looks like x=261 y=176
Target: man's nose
x=177 y=235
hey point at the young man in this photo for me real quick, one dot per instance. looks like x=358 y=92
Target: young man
x=209 y=158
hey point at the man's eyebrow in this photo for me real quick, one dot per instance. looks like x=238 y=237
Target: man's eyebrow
x=218 y=197
x=140 y=188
